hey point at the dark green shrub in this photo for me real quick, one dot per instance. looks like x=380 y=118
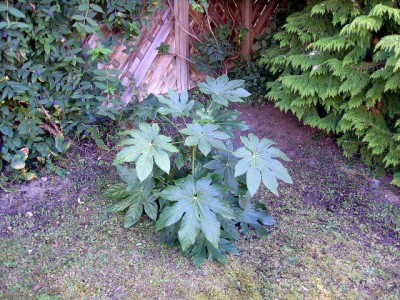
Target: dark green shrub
x=51 y=87
x=338 y=67
x=214 y=49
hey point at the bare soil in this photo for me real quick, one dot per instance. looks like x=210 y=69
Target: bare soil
x=317 y=154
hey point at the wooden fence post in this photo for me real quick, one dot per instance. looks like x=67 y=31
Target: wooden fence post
x=247 y=12
x=181 y=11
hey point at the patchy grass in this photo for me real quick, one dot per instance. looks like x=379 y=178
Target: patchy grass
x=333 y=240
x=76 y=251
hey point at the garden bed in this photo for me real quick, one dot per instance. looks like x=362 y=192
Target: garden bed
x=337 y=233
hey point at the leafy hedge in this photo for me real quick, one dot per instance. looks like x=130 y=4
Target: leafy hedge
x=339 y=69
x=51 y=88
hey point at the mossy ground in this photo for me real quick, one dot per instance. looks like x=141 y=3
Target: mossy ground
x=336 y=236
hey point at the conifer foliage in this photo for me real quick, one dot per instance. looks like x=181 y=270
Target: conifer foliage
x=339 y=70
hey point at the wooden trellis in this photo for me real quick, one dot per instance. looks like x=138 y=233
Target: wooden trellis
x=147 y=71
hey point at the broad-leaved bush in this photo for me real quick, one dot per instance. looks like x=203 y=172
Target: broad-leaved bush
x=180 y=168
x=52 y=85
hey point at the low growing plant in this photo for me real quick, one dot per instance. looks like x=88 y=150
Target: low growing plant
x=180 y=168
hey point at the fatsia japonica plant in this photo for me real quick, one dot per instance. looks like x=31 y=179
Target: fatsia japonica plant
x=180 y=168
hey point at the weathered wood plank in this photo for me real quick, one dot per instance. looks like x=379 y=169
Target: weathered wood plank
x=151 y=53
x=247 y=7
x=153 y=72
x=181 y=11
x=266 y=16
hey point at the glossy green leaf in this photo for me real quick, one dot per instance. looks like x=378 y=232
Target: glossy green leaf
x=258 y=161
x=133 y=214
x=101 y=144
x=252 y=214
x=151 y=208
x=97 y=8
x=203 y=249
x=223 y=164
x=196 y=204
x=148 y=147
x=222 y=90
x=121 y=205
x=117 y=191
x=15 y=12
x=59 y=140
x=205 y=137
x=134 y=195
x=227 y=121
x=18 y=162
x=147 y=110
x=6 y=130
x=176 y=105
x=229 y=228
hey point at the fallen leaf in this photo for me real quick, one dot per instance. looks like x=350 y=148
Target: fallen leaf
x=37 y=287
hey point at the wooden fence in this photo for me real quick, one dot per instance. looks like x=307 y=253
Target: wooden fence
x=147 y=71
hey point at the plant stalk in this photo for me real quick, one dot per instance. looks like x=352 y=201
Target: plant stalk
x=211 y=104
x=193 y=158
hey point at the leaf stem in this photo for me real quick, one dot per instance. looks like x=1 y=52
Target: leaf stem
x=184 y=121
x=7 y=17
x=171 y=123
x=211 y=104
x=193 y=158
x=229 y=151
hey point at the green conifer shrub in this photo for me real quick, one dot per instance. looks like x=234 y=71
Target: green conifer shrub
x=338 y=67
x=179 y=167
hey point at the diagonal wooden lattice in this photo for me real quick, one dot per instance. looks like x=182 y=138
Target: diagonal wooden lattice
x=147 y=71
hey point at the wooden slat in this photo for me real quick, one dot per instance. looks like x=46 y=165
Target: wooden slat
x=151 y=72
x=266 y=16
x=151 y=53
x=181 y=10
x=257 y=8
x=247 y=6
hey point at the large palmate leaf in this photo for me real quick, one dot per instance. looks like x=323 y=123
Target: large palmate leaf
x=196 y=204
x=252 y=214
x=147 y=110
x=227 y=121
x=222 y=90
x=223 y=164
x=204 y=137
x=169 y=235
x=258 y=162
x=202 y=248
x=230 y=231
x=146 y=147
x=134 y=195
x=176 y=106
